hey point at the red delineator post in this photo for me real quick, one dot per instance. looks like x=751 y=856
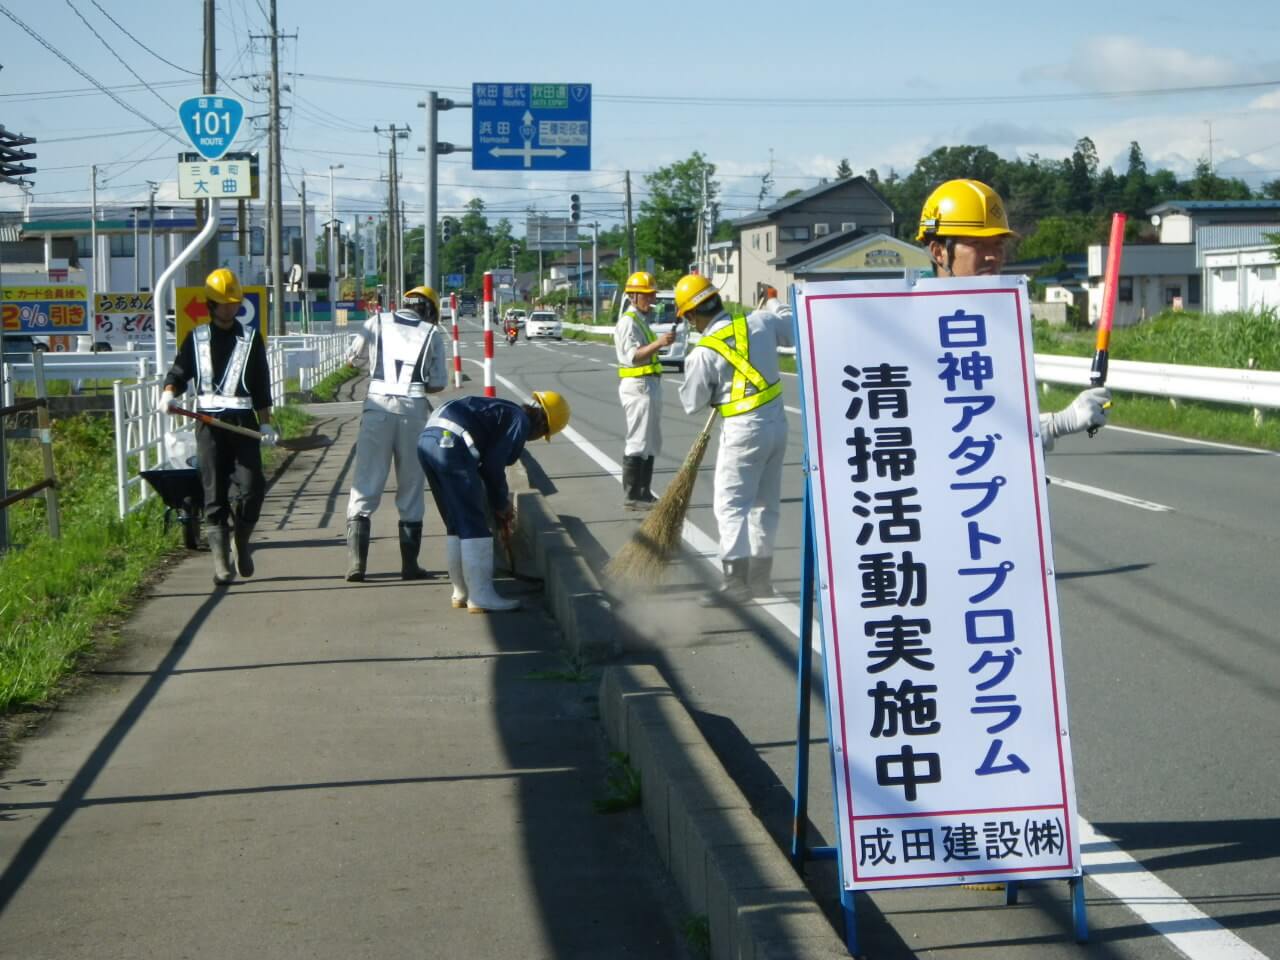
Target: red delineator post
x=488 y=335
x=457 y=357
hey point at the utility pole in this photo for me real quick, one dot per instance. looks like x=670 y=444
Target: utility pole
x=595 y=270
x=151 y=241
x=306 y=264
x=631 y=236
x=331 y=248
x=277 y=204
x=208 y=260
x=137 y=250
x=92 y=272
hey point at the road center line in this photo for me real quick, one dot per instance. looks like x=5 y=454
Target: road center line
x=1188 y=929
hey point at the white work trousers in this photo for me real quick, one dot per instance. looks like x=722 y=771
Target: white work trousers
x=642 y=404
x=749 y=481
x=389 y=429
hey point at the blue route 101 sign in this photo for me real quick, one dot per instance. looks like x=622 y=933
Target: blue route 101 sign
x=211 y=123
x=531 y=126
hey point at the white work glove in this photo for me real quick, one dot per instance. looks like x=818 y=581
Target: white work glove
x=1088 y=409
x=168 y=402
x=270 y=435
x=773 y=305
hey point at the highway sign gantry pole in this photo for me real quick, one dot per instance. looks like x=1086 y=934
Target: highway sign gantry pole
x=433 y=148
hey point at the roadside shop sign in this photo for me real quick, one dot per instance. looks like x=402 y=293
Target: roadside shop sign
x=191 y=310
x=939 y=616
x=531 y=126
x=211 y=123
x=44 y=309
x=121 y=317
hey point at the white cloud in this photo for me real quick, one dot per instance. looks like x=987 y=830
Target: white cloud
x=1112 y=62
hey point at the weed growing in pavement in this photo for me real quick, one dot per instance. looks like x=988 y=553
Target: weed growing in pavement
x=575 y=671
x=697 y=935
x=621 y=784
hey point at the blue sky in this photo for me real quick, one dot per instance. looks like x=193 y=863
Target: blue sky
x=750 y=84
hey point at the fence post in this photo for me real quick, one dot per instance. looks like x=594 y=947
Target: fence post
x=122 y=480
x=45 y=428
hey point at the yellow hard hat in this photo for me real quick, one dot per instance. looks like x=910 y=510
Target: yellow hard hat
x=692 y=290
x=556 y=408
x=963 y=208
x=428 y=293
x=221 y=286
x=640 y=282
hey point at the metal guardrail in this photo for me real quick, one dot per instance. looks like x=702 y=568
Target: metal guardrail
x=1259 y=389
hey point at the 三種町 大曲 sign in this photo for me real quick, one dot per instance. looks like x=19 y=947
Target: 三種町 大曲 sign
x=939 y=613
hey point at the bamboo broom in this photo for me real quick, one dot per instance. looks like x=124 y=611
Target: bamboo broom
x=643 y=560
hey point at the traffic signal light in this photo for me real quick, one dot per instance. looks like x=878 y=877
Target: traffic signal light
x=575 y=208
x=446 y=230
x=12 y=169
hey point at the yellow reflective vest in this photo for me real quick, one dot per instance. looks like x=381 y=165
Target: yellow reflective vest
x=739 y=357
x=654 y=366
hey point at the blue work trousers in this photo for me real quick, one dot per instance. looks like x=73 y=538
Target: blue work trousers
x=453 y=476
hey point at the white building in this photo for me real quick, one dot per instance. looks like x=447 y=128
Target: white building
x=1241 y=270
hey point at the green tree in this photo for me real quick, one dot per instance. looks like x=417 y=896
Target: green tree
x=1139 y=193
x=843 y=170
x=1057 y=237
x=667 y=225
x=1082 y=176
x=1207 y=185
x=1270 y=190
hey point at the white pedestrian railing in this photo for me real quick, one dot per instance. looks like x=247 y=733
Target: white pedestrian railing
x=140 y=424
x=140 y=431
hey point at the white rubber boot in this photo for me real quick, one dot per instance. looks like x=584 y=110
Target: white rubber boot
x=453 y=551
x=477 y=567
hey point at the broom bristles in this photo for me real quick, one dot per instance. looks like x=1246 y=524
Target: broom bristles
x=643 y=560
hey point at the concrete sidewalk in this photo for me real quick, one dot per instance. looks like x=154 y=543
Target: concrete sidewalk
x=295 y=766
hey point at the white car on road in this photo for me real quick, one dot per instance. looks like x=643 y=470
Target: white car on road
x=543 y=323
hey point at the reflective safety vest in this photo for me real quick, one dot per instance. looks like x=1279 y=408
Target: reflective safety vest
x=739 y=357
x=222 y=396
x=654 y=366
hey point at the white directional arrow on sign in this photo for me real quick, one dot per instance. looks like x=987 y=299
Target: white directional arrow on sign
x=528 y=151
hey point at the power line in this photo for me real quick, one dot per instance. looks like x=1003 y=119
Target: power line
x=112 y=51
x=193 y=73
x=59 y=54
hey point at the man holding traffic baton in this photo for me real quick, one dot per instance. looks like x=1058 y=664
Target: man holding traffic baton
x=227 y=364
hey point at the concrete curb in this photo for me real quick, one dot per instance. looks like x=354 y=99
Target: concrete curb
x=723 y=860
x=720 y=855
x=573 y=593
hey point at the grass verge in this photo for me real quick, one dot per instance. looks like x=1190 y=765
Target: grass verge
x=61 y=600
x=593 y=337
x=326 y=391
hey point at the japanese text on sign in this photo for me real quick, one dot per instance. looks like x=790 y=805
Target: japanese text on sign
x=940 y=619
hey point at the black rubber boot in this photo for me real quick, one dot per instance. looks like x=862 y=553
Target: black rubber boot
x=357 y=548
x=410 y=545
x=646 y=481
x=761 y=578
x=216 y=533
x=244 y=552
x=735 y=589
x=632 y=483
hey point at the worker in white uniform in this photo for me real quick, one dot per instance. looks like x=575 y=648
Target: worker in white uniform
x=640 y=389
x=734 y=368
x=405 y=351
x=964 y=227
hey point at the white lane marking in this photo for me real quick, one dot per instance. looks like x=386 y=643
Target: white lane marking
x=1109 y=495
x=795 y=410
x=1193 y=440
x=1194 y=933
x=1188 y=929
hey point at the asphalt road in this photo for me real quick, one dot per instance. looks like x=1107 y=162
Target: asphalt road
x=1164 y=552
